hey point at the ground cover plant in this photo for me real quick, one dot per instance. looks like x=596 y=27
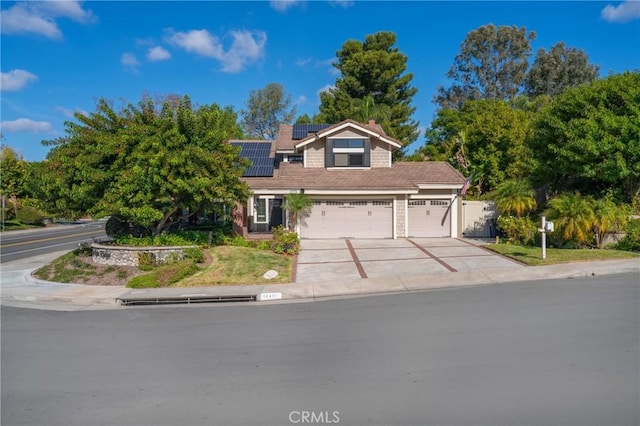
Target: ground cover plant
x=77 y=267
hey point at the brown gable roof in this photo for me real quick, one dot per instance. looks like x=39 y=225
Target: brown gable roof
x=400 y=176
x=285 y=141
x=371 y=127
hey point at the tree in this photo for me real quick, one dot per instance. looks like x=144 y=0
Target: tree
x=266 y=109
x=514 y=197
x=608 y=217
x=13 y=170
x=373 y=85
x=588 y=139
x=559 y=69
x=484 y=138
x=573 y=217
x=146 y=162
x=492 y=64
x=296 y=204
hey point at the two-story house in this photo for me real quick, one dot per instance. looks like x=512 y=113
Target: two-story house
x=357 y=191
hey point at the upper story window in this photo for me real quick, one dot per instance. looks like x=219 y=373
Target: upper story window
x=348 y=153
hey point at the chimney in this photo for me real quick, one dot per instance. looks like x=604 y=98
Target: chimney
x=372 y=123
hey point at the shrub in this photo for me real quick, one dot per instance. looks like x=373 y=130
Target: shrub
x=195 y=254
x=144 y=281
x=117 y=226
x=631 y=241
x=146 y=259
x=29 y=215
x=185 y=269
x=284 y=241
x=518 y=230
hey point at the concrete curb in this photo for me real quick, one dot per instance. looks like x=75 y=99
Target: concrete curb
x=20 y=287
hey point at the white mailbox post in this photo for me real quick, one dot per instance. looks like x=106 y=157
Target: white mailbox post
x=546 y=227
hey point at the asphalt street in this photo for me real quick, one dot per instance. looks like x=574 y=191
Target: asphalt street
x=529 y=353
x=17 y=245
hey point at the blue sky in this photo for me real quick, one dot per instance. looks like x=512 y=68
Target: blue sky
x=60 y=57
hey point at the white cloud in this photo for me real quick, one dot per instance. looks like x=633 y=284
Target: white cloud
x=130 y=61
x=283 y=5
x=624 y=12
x=247 y=47
x=15 y=80
x=301 y=100
x=25 y=125
x=197 y=41
x=158 y=53
x=303 y=62
x=40 y=17
x=326 y=88
x=244 y=50
x=70 y=112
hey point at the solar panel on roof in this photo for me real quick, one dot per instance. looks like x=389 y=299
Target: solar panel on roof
x=259 y=154
x=301 y=131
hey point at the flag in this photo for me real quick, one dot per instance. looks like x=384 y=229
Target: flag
x=466 y=185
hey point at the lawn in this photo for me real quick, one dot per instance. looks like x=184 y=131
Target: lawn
x=232 y=265
x=533 y=255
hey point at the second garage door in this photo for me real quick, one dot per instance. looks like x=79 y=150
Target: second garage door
x=349 y=219
x=429 y=218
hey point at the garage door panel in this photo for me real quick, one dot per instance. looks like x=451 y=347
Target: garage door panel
x=429 y=218
x=349 y=219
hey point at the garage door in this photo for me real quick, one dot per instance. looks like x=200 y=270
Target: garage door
x=429 y=218
x=349 y=219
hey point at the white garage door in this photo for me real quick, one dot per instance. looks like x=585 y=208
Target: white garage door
x=349 y=219
x=429 y=218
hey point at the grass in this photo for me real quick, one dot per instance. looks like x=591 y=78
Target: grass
x=533 y=255
x=241 y=265
x=16 y=226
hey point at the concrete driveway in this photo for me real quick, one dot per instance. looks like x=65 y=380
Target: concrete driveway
x=340 y=260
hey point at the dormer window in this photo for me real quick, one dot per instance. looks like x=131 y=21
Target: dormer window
x=348 y=153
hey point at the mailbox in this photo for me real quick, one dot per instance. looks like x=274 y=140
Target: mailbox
x=548 y=226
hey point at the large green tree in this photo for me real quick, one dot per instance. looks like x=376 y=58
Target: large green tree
x=485 y=138
x=588 y=139
x=558 y=69
x=492 y=64
x=147 y=162
x=13 y=169
x=266 y=109
x=373 y=84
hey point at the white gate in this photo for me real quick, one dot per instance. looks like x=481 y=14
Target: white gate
x=478 y=219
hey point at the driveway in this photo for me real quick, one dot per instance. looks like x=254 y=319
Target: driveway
x=340 y=260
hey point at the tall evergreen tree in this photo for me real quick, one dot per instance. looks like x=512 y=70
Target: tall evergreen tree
x=373 y=85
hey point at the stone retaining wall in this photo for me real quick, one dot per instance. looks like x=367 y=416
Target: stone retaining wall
x=130 y=256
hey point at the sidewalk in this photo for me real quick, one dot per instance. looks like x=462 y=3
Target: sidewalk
x=18 y=288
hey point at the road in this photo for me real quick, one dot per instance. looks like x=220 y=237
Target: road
x=16 y=245
x=545 y=353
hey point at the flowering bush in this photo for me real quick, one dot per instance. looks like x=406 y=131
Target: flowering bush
x=518 y=230
x=284 y=241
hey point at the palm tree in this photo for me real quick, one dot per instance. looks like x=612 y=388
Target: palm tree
x=574 y=216
x=296 y=204
x=514 y=197
x=609 y=217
